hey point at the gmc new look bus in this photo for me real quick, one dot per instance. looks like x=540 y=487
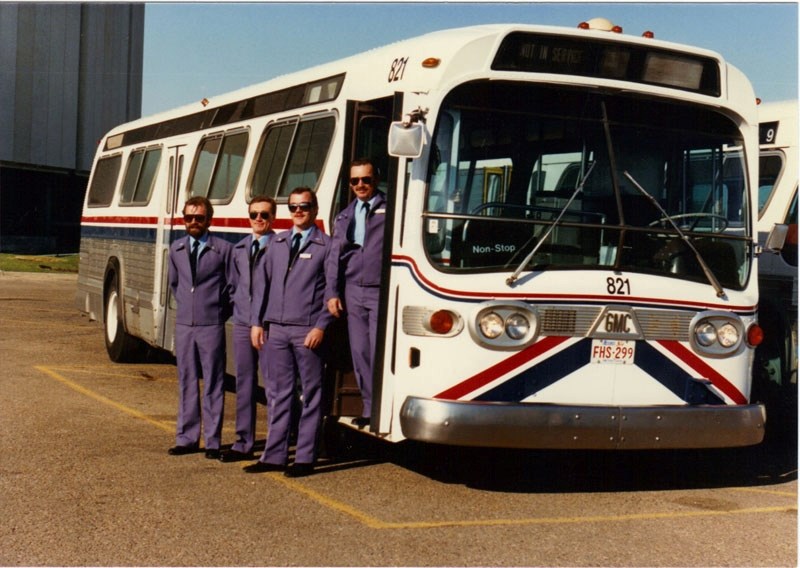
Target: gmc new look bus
x=571 y=247
x=776 y=357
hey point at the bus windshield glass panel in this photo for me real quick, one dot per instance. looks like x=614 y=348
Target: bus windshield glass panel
x=601 y=180
x=589 y=57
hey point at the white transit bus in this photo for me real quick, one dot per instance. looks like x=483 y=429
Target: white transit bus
x=776 y=357
x=570 y=257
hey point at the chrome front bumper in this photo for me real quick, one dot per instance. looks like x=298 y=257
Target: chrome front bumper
x=552 y=426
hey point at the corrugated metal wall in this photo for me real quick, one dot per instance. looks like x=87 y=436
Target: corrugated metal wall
x=68 y=73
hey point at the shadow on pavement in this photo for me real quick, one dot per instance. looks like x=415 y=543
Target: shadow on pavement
x=528 y=471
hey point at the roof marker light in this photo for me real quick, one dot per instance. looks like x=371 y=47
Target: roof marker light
x=601 y=24
x=648 y=34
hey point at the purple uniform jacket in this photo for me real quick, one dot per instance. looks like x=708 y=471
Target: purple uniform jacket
x=242 y=294
x=208 y=301
x=295 y=296
x=351 y=263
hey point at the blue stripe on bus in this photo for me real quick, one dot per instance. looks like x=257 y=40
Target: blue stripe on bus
x=541 y=375
x=138 y=234
x=555 y=368
x=145 y=235
x=673 y=377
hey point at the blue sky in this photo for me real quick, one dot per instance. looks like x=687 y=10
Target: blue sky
x=196 y=50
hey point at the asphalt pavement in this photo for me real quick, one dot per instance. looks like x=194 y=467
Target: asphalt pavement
x=85 y=479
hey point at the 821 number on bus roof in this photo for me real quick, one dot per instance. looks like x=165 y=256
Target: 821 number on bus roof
x=398 y=69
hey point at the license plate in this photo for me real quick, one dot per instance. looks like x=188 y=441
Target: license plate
x=613 y=351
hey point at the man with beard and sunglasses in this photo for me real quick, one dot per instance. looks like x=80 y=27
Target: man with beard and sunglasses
x=353 y=273
x=247 y=259
x=290 y=295
x=200 y=283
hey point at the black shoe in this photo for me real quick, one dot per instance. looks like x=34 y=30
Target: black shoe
x=183 y=450
x=235 y=456
x=263 y=467
x=360 y=421
x=299 y=470
x=212 y=454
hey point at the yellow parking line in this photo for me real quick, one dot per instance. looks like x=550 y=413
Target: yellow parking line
x=100 y=398
x=376 y=523
x=133 y=374
x=768 y=491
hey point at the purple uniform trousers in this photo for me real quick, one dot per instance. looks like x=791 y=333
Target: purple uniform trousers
x=203 y=345
x=353 y=274
x=203 y=307
x=286 y=355
x=362 y=326
x=248 y=361
x=292 y=301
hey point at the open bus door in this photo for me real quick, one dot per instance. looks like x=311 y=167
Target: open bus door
x=166 y=234
x=366 y=136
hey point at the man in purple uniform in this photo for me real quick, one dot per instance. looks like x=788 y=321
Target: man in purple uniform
x=247 y=259
x=353 y=273
x=198 y=276
x=293 y=329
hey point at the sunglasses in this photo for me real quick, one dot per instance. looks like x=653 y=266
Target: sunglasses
x=193 y=218
x=366 y=180
x=305 y=206
x=266 y=215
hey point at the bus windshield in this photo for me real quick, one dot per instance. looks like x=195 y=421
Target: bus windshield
x=601 y=180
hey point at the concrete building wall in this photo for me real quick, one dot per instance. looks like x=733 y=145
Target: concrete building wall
x=68 y=73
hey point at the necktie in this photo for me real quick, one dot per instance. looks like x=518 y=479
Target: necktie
x=193 y=261
x=254 y=249
x=295 y=247
x=361 y=224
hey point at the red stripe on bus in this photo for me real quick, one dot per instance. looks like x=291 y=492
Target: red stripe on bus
x=118 y=219
x=227 y=222
x=507 y=365
x=562 y=297
x=705 y=370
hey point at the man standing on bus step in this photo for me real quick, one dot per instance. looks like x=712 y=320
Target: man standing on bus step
x=295 y=320
x=353 y=273
x=247 y=259
x=198 y=276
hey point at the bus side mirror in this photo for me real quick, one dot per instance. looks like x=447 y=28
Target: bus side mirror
x=776 y=239
x=405 y=140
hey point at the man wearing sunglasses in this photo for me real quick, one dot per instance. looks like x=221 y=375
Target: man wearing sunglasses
x=290 y=295
x=246 y=260
x=353 y=273
x=198 y=277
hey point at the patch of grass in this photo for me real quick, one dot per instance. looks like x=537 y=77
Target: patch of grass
x=43 y=263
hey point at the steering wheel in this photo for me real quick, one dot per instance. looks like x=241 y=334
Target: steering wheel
x=665 y=221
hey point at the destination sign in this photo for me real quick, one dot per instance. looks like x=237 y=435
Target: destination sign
x=589 y=57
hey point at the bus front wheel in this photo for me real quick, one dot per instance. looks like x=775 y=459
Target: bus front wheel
x=121 y=346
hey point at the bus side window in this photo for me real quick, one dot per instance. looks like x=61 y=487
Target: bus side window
x=769 y=170
x=218 y=166
x=140 y=176
x=104 y=181
x=292 y=154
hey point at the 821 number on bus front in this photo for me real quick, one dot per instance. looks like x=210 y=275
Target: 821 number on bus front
x=613 y=351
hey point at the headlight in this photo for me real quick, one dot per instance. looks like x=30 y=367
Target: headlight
x=517 y=326
x=728 y=335
x=500 y=324
x=716 y=333
x=706 y=334
x=491 y=325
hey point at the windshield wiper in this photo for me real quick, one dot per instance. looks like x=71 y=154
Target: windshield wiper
x=686 y=239
x=513 y=278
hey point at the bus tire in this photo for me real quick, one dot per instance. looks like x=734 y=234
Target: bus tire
x=120 y=345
